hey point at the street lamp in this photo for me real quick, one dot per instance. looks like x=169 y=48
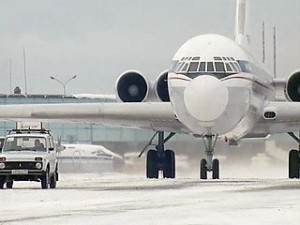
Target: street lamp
x=64 y=84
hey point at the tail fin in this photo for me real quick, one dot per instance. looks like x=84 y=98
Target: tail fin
x=240 y=19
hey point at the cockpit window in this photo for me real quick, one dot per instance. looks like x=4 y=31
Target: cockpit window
x=180 y=66
x=210 y=67
x=173 y=65
x=185 y=67
x=202 y=67
x=228 y=67
x=235 y=66
x=193 y=67
x=245 y=66
x=219 y=67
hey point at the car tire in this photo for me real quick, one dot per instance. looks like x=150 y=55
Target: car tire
x=45 y=180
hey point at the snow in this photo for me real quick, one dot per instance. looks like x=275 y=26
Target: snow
x=114 y=198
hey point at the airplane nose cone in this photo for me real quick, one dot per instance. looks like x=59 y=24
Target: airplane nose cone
x=206 y=98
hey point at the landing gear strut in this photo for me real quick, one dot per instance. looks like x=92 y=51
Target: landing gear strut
x=209 y=164
x=294 y=159
x=159 y=159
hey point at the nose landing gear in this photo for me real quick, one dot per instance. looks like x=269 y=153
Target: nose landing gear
x=209 y=164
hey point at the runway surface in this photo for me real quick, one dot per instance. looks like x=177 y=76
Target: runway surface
x=132 y=199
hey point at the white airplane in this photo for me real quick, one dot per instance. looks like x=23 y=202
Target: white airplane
x=88 y=155
x=214 y=89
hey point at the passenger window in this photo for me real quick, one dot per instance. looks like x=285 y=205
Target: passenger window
x=193 y=67
x=219 y=67
x=196 y=58
x=210 y=67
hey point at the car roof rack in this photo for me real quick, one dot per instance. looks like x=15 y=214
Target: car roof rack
x=29 y=131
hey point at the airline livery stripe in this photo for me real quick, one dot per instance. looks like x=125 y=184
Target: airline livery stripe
x=179 y=78
x=249 y=79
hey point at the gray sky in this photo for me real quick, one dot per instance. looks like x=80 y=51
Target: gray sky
x=98 y=40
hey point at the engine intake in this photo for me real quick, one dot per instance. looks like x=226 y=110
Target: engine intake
x=132 y=86
x=292 y=89
x=161 y=87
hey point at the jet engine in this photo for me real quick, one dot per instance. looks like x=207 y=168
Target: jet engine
x=292 y=87
x=132 y=86
x=161 y=87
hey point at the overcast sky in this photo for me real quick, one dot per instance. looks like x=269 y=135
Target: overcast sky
x=99 y=39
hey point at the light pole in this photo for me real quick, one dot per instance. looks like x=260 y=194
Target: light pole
x=64 y=84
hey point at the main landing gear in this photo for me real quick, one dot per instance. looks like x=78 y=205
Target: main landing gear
x=159 y=159
x=209 y=164
x=294 y=159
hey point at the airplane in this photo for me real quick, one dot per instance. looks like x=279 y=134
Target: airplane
x=214 y=89
x=89 y=157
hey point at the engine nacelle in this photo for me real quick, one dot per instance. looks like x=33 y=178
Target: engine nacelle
x=161 y=87
x=292 y=87
x=132 y=86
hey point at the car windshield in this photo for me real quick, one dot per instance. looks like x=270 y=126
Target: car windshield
x=24 y=144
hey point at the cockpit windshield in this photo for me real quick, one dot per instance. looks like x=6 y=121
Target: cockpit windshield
x=219 y=66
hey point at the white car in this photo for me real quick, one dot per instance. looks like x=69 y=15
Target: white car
x=28 y=155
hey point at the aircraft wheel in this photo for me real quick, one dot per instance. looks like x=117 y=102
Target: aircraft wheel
x=203 y=169
x=9 y=184
x=294 y=164
x=215 y=169
x=151 y=164
x=169 y=164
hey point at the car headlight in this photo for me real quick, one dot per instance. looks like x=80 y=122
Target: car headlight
x=2 y=165
x=38 y=165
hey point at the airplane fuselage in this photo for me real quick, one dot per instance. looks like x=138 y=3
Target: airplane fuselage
x=211 y=79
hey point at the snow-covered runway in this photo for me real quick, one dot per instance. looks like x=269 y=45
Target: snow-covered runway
x=132 y=199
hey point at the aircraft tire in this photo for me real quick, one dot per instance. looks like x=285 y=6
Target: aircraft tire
x=203 y=169
x=169 y=164
x=215 y=169
x=151 y=164
x=294 y=162
x=9 y=184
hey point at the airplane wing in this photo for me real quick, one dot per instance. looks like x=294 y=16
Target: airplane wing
x=284 y=117
x=148 y=115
